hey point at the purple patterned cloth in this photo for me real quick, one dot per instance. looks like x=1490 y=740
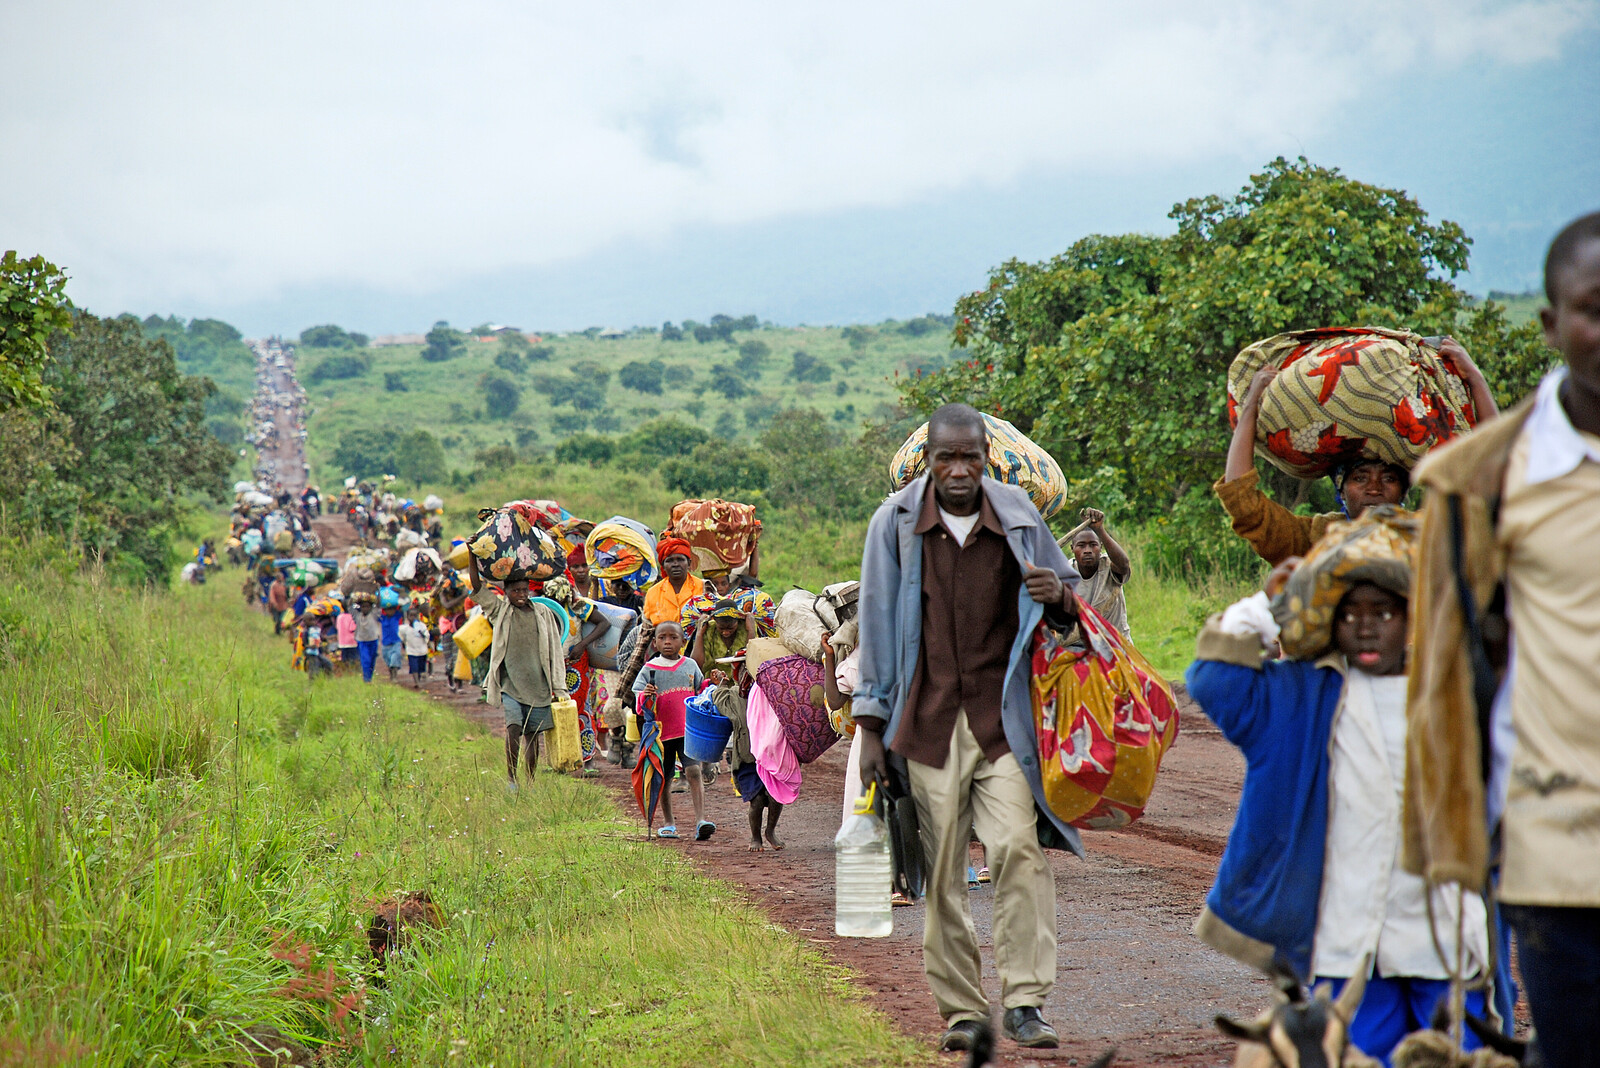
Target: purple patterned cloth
x=793 y=685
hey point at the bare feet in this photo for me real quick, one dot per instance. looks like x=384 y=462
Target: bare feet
x=772 y=840
x=756 y=846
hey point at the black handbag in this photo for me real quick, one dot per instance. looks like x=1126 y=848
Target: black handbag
x=899 y=811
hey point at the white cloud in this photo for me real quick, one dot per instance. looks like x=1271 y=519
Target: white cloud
x=174 y=152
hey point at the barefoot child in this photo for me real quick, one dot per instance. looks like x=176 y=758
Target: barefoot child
x=1312 y=870
x=664 y=684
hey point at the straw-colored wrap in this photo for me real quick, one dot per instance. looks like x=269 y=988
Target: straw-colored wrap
x=1013 y=459
x=1379 y=548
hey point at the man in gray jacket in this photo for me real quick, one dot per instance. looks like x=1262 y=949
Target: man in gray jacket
x=957 y=573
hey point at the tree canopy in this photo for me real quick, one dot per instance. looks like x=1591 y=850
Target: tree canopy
x=1113 y=354
x=120 y=445
x=33 y=306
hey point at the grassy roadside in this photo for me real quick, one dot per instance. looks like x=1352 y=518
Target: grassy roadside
x=194 y=838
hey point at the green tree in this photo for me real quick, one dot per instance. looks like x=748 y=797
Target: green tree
x=33 y=306
x=327 y=336
x=367 y=451
x=541 y=352
x=508 y=359
x=816 y=474
x=394 y=382
x=728 y=382
x=727 y=426
x=717 y=469
x=122 y=444
x=419 y=458
x=641 y=376
x=591 y=449
x=858 y=337
x=1113 y=355
x=807 y=368
x=501 y=397
x=753 y=351
x=670 y=332
x=341 y=366
x=662 y=438
x=443 y=343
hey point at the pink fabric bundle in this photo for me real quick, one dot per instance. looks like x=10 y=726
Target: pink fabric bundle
x=775 y=761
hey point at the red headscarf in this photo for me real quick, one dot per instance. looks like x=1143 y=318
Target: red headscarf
x=576 y=556
x=673 y=546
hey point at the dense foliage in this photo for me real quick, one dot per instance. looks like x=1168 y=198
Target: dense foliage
x=122 y=443
x=33 y=305
x=1113 y=354
x=330 y=336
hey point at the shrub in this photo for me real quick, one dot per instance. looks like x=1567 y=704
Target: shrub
x=717 y=469
x=807 y=368
x=327 y=336
x=585 y=449
x=394 y=383
x=642 y=377
x=443 y=343
x=342 y=366
x=670 y=332
x=501 y=397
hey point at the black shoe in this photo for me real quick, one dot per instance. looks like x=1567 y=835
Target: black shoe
x=1026 y=1027
x=965 y=1035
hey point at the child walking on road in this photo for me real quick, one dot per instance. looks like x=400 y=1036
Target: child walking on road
x=666 y=682
x=1312 y=869
x=415 y=638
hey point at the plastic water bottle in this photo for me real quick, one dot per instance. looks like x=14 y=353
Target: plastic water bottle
x=863 y=873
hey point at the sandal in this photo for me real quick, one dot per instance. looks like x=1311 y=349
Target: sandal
x=669 y=831
x=983 y=875
x=703 y=830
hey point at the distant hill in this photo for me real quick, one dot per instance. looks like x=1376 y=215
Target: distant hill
x=1520 y=307
x=730 y=384
x=213 y=348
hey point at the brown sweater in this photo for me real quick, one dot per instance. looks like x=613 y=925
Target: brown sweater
x=1274 y=532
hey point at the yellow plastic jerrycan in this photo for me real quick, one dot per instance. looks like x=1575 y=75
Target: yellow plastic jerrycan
x=463 y=667
x=474 y=637
x=566 y=749
x=631 y=732
x=457 y=557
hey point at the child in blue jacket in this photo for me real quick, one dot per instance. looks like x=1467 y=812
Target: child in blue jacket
x=1312 y=869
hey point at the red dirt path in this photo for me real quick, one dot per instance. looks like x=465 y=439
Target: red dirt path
x=1130 y=973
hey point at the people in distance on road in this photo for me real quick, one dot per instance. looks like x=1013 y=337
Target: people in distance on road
x=664 y=600
x=1104 y=566
x=526 y=670
x=369 y=632
x=414 y=637
x=944 y=694
x=389 y=620
x=1512 y=518
x=1276 y=533
x=1311 y=873
x=345 y=626
x=661 y=688
x=277 y=601
x=732 y=683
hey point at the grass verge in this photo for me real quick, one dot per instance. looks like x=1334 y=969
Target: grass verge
x=195 y=837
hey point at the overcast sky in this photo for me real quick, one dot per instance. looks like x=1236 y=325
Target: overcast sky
x=558 y=166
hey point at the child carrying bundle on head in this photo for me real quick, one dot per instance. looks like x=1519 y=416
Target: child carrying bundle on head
x=1311 y=873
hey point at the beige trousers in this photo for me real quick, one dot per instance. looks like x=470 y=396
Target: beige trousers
x=969 y=793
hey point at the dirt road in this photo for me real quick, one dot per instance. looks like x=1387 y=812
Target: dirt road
x=1130 y=973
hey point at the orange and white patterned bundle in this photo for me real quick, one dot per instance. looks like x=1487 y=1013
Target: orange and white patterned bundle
x=721 y=533
x=1350 y=393
x=1104 y=719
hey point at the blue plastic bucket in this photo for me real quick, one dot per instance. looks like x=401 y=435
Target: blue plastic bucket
x=706 y=731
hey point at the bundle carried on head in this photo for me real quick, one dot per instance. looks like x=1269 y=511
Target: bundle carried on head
x=721 y=534
x=1350 y=393
x=622 y=548
x=1379 y=548
x=510 y=546
x=1013 y=459
x=742 y=600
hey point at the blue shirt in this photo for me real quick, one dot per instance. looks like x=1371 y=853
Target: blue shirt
x=390 y=622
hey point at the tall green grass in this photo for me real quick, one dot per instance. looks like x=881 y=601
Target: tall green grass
x=194 y=837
